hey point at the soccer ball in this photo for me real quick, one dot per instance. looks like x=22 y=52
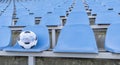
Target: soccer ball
x=27 y=39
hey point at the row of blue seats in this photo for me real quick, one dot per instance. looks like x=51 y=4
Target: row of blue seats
x=107 y=11
x=104 y=17
x=4 y=1
x=51 y=18
x=76 y=38
x=4 y=6
x=6 y=16
x=41 y=10
x=40 y=7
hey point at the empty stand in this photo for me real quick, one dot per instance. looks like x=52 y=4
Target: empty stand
x=76 y=39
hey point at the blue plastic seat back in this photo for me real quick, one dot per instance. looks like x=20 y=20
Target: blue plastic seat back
x=77 y=18
x=42 y=44
x=60 y=11
x=112 y=41
x=20 y=12
x=5 y=20
x=77 y=38
x=61 y=7
x=107 y=17
x=26 y=20
x=78 y=6
x=5 y=37
x=51 y=20
x=114 y=5
x=97 y=8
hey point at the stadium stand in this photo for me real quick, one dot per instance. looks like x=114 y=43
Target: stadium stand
x=75 y=34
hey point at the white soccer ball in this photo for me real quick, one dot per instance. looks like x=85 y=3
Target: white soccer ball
x=27 y=39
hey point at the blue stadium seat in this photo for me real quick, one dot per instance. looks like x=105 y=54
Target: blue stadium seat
x=97 y=8
x=51 y=19
x=21 y=12
x=107 y=17
x=77 y=18
x=5 y=20
x=5 y=37
x=42 y=44
x=112 y=41
x=21 y=9
x=115 y=5
x=78 y=38
x=60 y=11
x=26 y=20
x=61 y=7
